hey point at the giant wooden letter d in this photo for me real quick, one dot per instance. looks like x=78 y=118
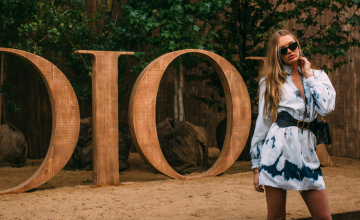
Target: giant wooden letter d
x=65 y=121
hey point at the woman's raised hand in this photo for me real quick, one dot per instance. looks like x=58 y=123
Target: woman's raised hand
x=305 y=67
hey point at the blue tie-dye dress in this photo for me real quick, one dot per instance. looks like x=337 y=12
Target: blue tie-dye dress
x=286 y=157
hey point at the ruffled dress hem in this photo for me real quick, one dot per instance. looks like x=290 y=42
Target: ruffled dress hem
x=292 y=189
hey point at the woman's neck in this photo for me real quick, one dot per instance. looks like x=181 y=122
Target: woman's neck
x=295 y=65
x=294 y=68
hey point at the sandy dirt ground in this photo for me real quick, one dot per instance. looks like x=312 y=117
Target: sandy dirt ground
x=151 y=195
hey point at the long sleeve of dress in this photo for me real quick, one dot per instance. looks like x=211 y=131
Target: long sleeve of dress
x=322 y=91
x=262 y=127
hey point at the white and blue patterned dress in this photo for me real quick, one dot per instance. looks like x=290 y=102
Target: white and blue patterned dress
x=286 y=157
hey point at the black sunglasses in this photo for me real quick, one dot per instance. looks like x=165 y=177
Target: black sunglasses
x=292 y=47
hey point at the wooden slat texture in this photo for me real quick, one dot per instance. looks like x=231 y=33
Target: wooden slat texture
x=344 y=121
x=1 y=79
x=91 y=7
x=142 y=115
x=105 y=122
x=65 y=124
x=34 y=119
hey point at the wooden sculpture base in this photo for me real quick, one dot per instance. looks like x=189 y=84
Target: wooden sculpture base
x=96 y=186
x=324 y=157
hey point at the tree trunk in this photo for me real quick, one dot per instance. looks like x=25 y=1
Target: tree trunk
x=176 y=95
x=1 y=79
x=180 y=93
x=2 y=106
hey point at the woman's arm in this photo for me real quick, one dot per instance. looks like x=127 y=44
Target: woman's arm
x=322 y=92
x=262 y=127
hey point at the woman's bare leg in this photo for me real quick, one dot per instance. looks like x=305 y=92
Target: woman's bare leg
x=276 y=202
x=317 y=204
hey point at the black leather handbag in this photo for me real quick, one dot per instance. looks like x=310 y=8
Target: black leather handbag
x=322 y=132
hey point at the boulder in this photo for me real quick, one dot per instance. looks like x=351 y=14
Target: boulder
x=13 y=147
x=184 y=146
x=82 y=158
x=124 y=146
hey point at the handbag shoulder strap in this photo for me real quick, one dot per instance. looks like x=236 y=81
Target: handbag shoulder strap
x=313 y=72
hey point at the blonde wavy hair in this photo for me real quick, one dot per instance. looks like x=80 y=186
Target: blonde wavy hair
x=275 y=74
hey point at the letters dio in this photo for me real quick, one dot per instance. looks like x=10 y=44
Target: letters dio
x=142 y=123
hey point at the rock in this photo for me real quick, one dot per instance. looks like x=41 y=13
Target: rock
x=82 y=158
x=124 y=146
x=220 y=137
x=184 y=146
x=13 y=147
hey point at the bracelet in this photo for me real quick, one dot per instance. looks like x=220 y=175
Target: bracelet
x=255 y=172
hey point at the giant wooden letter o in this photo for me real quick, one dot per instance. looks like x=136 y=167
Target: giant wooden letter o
x=65 y=121
x=142 y=120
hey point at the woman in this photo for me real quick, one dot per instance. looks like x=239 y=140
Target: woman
x=284 y=158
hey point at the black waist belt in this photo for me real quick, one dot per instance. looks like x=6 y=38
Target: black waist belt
x=318 y=128
x=284 y=119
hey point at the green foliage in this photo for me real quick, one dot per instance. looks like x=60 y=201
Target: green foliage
x=232 y=29
x=246 y=27
x=55 y=29
x=12 y=107
x=8 y=88
x=163 y=26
